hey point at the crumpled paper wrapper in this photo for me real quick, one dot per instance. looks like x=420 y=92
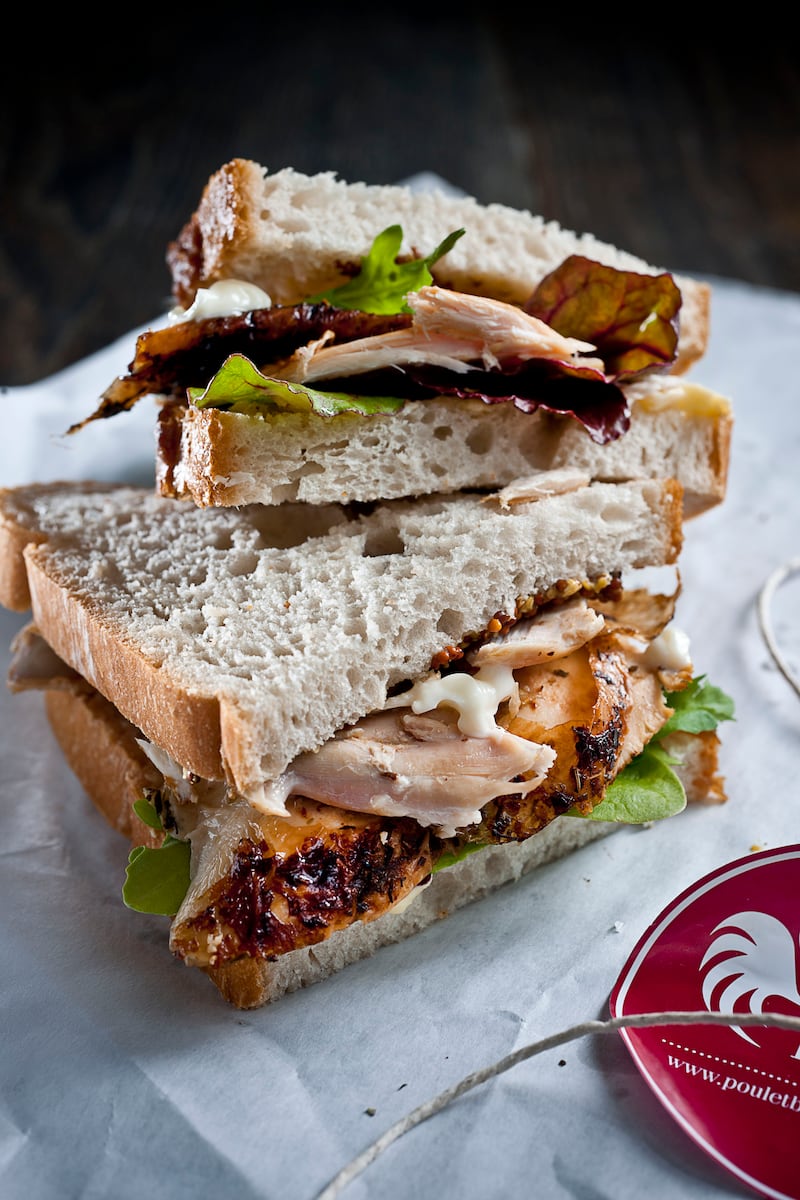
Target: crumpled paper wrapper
x=125 y=1074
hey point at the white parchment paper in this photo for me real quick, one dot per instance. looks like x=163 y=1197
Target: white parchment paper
x=124 y=1074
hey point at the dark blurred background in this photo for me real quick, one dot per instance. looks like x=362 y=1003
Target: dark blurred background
x=678 y=140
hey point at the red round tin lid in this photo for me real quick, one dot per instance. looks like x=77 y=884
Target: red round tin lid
x=729 y=943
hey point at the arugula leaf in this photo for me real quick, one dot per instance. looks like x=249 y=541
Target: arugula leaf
x=146 y=811
x=239 y=386
x=647 y=790
x=156 y=881
x=382 y=284
x=697 y=707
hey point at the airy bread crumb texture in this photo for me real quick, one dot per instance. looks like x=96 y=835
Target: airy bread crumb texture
x=90 y=732
x=296 y=235
x=31 y=514
x=260 y=642
x=436 y=446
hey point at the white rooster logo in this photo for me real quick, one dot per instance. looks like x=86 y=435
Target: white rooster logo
x=760 y=962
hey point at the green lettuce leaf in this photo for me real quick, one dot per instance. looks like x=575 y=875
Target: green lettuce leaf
x=239 y=386
x=156 y=880
x=647 y=790
x=382 y=284
x=451 y=857
x=146 y=811
x=697 y=707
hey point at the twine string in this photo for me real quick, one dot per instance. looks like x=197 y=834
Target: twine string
x=765 y=598
x=632 y=1021
x=429 y=1109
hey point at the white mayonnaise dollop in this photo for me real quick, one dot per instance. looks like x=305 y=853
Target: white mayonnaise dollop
x=476 y=697
x=670 y=650
x=225 y=298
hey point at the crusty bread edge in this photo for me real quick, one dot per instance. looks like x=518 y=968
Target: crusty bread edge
x=199 y=253
x=227 y=214
x=212 y=468
x=673 y=493
x=696 y=304
x=719 y=469
x=99 y=747
x=723 y=436
x=187 y=726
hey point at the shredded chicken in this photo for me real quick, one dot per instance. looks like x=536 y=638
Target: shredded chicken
x=540 y=486
x=648 y=710
x=554 y=633
x=448 y=329
x=506 y=330
x=578 y=708
x=442 y=779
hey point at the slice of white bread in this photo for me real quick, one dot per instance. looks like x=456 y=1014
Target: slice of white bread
x=235 y=655
x=42 y=512
x=443 y=445
x=33 y=514
x=91 y=732
x=296 y=235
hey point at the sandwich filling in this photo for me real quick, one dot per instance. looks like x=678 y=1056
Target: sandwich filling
x=532 y=721
x=576 y=706
x=388 y=336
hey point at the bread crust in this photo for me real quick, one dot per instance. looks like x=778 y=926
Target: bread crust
x=222 y=459
x=675 y=492
x=203 y=717
x=225 y=218
x=720 y=459
x=187 y=726
x=695 y=322
x=99 y=748
x=14 y=537
x=251 y=224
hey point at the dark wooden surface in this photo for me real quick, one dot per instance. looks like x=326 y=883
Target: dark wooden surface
x=678 y=142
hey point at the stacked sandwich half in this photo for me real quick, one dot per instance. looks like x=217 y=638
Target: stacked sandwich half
x=376 y=640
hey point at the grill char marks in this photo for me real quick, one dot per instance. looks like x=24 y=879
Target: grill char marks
x=596 y=706
x=269 y=903
x=188 y=354
x=595 y=680
x=597 y=745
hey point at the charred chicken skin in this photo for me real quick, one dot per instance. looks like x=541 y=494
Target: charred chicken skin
x=589 y=695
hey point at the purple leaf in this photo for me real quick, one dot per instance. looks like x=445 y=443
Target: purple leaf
x=632 y=319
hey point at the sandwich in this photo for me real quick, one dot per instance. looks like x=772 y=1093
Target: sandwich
x=383 y=634
x=325 y=726
x=335 y=342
